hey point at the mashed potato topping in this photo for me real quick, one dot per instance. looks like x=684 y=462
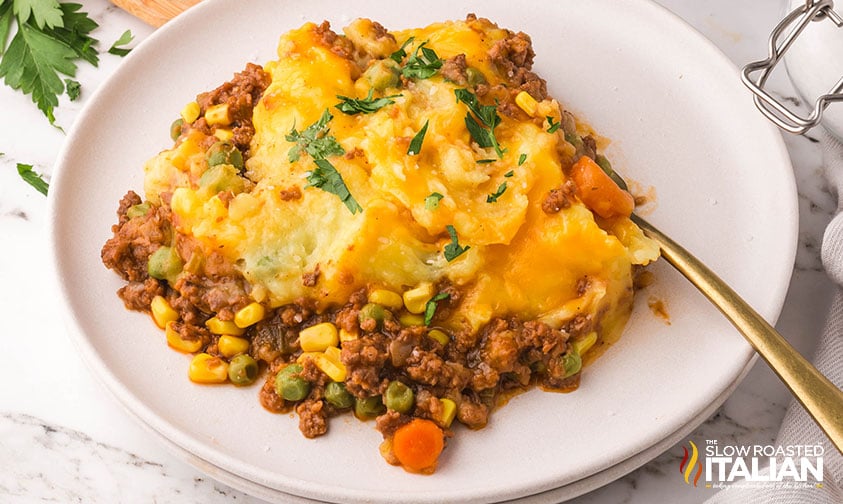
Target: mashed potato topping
x=426 y=163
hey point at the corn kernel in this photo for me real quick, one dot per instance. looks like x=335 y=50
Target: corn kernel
x=449 y=411
x=527 y=103
x=584 y=345
x=217 y=115
x=162 y=312
x=318 y=337
x=218 y=326
x=230 y=346
x=411 y=319
x=347 y=336
x=386 y=298
x=416 y=299
x=190 y=112
x=176 y=341
x=334 y=353
x=439 y=336
x=249 y=314
x=205 y=368
x=223 y=134
x=335 y=370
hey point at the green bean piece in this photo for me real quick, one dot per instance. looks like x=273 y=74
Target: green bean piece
x=338 y=396
x=573 y=139
x=138 y=210
x=368 y=407
x=373 y=311
x=399 y=397
x=474 y=76
x=290 y=385
x=382 y=74
x=224 y=153
x=164 y=264
x=222 y=177
x=175 y=128
x=572 y=362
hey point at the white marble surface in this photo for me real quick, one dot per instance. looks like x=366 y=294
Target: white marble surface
x=64 y=439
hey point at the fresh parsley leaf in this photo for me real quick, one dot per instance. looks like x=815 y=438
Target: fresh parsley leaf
x=552 y=126
x=423 y=64
x=327 y=178
x=72 y=88
x=453 y=249
x=431 y=305
x=30 y=177
x=416 y=142
x=6 y=17
x=509 y=174
x=491 y=198
x=76 y=32
x=32 y=64
x=314 y=140
x=432 y=201
x=365 y=105
x=399 y=55
x=124 y=39
x=44 y=12
x=481 y=120
x=521 y=159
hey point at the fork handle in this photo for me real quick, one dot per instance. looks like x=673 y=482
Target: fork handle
x=817 y=394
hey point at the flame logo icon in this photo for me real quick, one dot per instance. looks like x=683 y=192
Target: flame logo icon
x=692 y=462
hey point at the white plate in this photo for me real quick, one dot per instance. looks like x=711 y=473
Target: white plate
x=681 y=123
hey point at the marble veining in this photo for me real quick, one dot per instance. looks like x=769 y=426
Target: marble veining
x=63 y=440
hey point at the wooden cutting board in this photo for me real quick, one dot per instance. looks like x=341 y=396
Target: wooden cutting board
x=155 y=12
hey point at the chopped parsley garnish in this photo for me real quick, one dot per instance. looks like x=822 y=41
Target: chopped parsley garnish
x=481 y=120
x=125 y=38
x=399 y=55
x=416 y=142
x=521 y=159
x=30 y=177
x=552 y=126
x=365 y=105
x=314 y=140
x=453 y=249
x=327 y=178
x=486 y=161
x=423 y=64
x=431 y=305
x=432 y=201
x=491 y=198
x=509 y=174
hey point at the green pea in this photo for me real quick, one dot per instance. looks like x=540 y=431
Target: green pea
x=222 y=177
x=224 y=153
x=164 y=264
x=138 y=210
x=368 y=407
x=399 y=397
x=572 y=362
x=338 y=396
x=175 y=128
x=243 y=370
x=291 y=386
x=373 y=311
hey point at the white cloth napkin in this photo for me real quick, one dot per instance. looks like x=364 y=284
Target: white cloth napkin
x=797 y=427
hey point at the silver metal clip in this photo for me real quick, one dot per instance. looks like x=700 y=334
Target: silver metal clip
x=799 y=19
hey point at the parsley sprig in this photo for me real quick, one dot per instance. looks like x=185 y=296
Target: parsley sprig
x=422 y=64
x=453 y=249
x=32 y=178
x=481 y=120
x=367 y=105
x=316 y=142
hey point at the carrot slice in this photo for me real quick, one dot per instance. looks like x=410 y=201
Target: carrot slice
x=417 y=445
x=599 y=192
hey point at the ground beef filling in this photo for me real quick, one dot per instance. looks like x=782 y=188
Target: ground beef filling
x=475 y=371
